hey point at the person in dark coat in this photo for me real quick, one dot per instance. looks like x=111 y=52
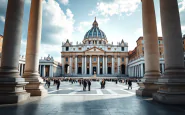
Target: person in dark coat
x=103 y=84
x=129 y=84
x=48 y=83
x=58 y=84
x=84 y=84
x=116 y=81
x=89 y=85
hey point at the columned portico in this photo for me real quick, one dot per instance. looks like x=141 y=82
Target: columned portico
x=152 y=72
x=172 y=82
x=11 y=84
x=31 y=74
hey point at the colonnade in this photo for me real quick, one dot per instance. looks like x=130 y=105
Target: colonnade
x=84 y=64
x=15 y=88
x=169 y=87
x=136 y=71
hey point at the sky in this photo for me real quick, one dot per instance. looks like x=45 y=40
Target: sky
x=71 y=19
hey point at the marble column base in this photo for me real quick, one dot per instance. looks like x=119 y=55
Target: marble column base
x=147 y=87
x=36 y=85
x=12 y=90
x=171 y=91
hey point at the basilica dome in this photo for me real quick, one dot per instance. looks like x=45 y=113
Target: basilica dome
x=95 y=32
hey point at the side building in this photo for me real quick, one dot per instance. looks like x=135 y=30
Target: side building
x=48 y=67
x=94 y=56
x=136 y=65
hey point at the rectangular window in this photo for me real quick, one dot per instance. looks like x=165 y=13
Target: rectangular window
x=67 y=48
x=66 y=59
x=109 y=59
x=94 y=59
x=101 y=59
x=122 y=48
x=122 y=59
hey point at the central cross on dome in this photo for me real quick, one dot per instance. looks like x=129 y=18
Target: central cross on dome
x=95 y=23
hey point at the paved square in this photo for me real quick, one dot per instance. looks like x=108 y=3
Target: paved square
x=115 y=99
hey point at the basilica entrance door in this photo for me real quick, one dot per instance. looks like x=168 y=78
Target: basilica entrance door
x=94 y=70
x=66 y=68
x=87 y=70
x=101 y=71
x=109 y=70
x=79 y=70
x=123 y=69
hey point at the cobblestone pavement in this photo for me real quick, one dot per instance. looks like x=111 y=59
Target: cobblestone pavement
x=115 y=99
x=111 y=88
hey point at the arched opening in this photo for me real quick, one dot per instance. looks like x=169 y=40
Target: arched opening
x=122 y=69
x=66 y=68
x=109 y=70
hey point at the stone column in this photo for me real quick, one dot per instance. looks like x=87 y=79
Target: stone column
x=22 y=69
x=82 y=64
x=85 y=65
x=103 y=65
x=162 y=67
x=112 y=65
x=43 y=71
x=119 y=65
x=106 y=65
x=98 y=65
x=126 y=70
x=76 y=65
x=19 y=69
x=90 y=66
x=142 y=75
x=152 y=71
x=11 y=84
x=40 y=69
x=51 y=70
x=70 y=65
x=31 y=75
x=172 y=82
x=62 y=60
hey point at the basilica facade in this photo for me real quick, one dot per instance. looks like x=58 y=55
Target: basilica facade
x=95 y=55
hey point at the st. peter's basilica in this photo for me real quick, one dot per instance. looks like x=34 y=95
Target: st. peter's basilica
x=94 y=55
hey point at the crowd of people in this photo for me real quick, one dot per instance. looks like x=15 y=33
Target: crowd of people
x=87 y=82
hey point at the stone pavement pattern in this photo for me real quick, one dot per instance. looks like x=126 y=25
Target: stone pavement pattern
x=84 y=104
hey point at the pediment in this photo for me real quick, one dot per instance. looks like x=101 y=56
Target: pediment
x=94 y=49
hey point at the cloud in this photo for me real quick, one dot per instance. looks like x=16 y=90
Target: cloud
x=116 y=7
x=181 y=5
x=57 y=25
x=65 y=2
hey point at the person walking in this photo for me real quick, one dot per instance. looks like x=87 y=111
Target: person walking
x=84 y=84
x=89 y=85
x=58 y=84
x=129 y=84
x=48 y=83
